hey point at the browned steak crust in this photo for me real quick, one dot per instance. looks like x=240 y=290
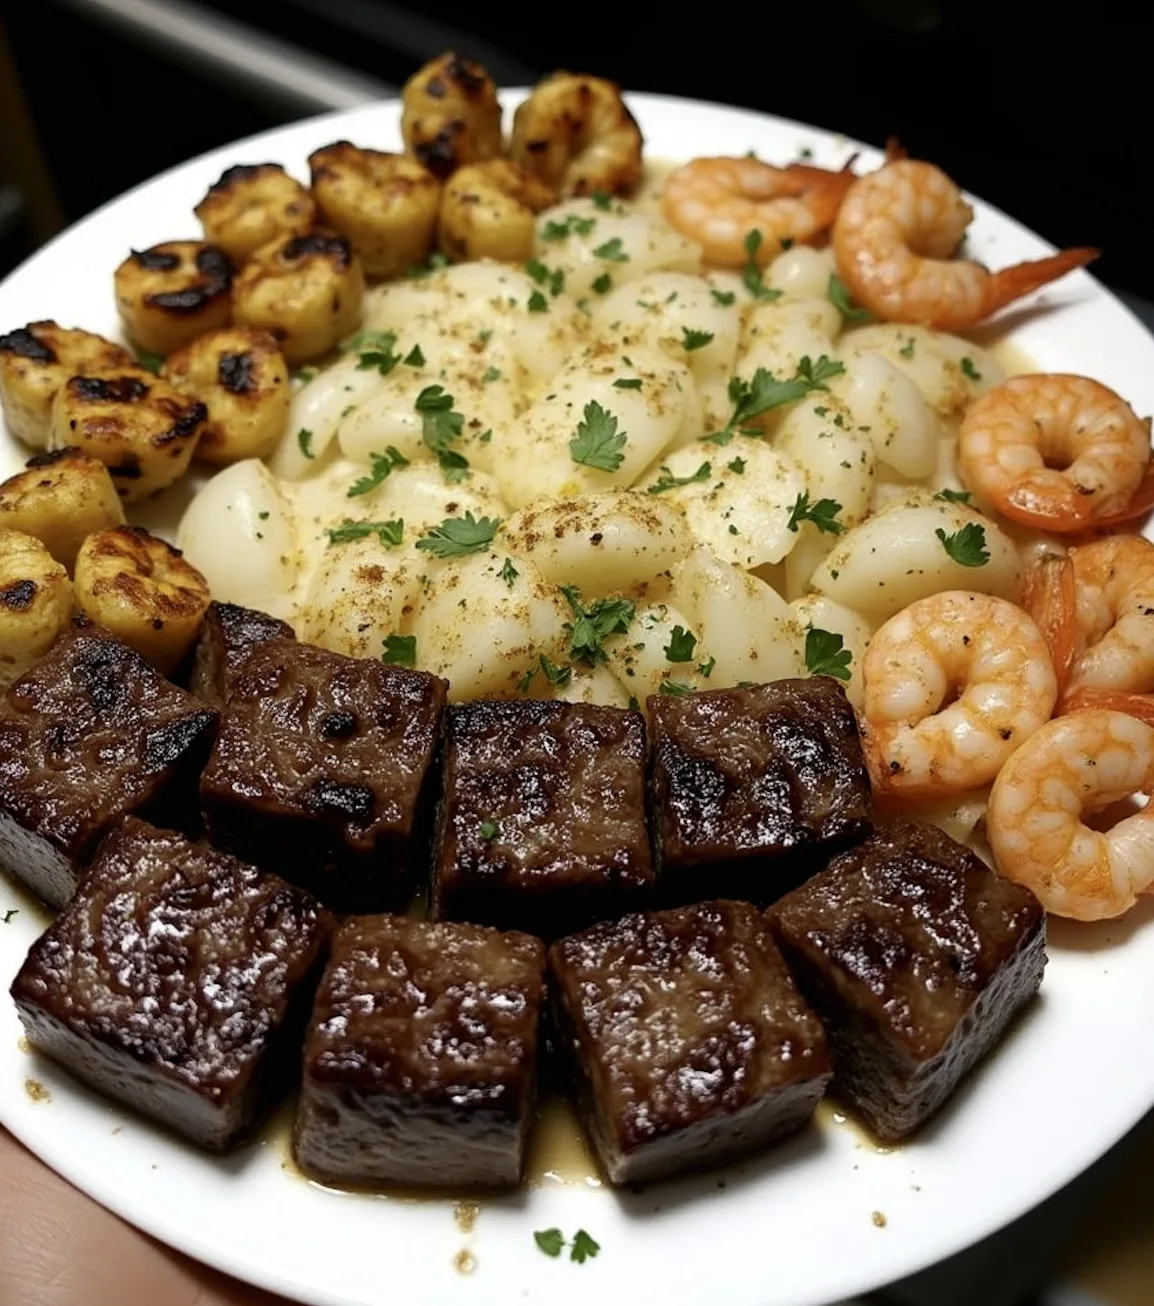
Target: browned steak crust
x=176 y=981
x=228 y=636
x=419 y=1063
x=691 y=1043
x=91 y=733
x=319 y=772
x=916 y=955
x=542 y=819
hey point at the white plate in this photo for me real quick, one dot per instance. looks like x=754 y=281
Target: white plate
x=796 y=1227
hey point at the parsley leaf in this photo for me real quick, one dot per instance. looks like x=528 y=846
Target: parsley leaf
x=603 y=284
x=602 y=200
x=823 y=514
x=491 y=374
x=400 y=650
x=384 y=360
x=305 y=440
x=440 y=426
x=681 y=645
x=840 y=298
x=669 y=482
x=560 y=676
x=489 y=830
x=554 y=230
x=907 y=350
x=605 y=617
x=550 y=1241
x=12 y=911
x=969 y=370
x=457 y=536
x=705 y=669
x=737 y=466
x=150 y=362
x=953 y=496
x=388 y=532
x=691 y=340
x=611 y=251
x=436 y=261
x=538 y=303
x=414 y=358
x=380 y=465
x=554 y=278
x=967 y=547
x=675 y=688
x=752 y=398
x=508 y=573
x=583 y=1247
x=627 y=383
x=825 y=656
x=597 y=443
x=302 y=376
x=751 y=275
x=723 y=297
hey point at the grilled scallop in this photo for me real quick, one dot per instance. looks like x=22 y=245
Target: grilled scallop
x=386 y=204
x=450 y=115
x=241 y=377
x=143 y=591
x=139 y=426
x=35 y=361
x=252 y=204
x=487 y=211
x=35 y=603
x=61 y=497
x=172 y=293
x=305 y=291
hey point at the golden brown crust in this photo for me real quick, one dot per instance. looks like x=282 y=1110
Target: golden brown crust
x=451 y=115
x=251 y=204
x=171 y=293
x=487 y=211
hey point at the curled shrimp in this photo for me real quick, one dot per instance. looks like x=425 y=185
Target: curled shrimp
x=577 y=134
x=717 y=202
x=1075 y=766
x=895 y=238
x=951 y=685
x=1054 y=451
x=1048 y=596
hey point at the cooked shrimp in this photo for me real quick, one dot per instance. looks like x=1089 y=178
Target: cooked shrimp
x=577 y=134
x=172 y=293
x=450 y=114
x=488 y=211
x=251 y=204
x=895 y=238
x=1048 y=596
x=1054 y=451
x=1074 y=766
x=952 y=685
x=1113 y=584
x=718 y=201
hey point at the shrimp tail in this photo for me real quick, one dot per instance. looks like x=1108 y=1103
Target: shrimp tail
x=1048 y=595
x=823 y=188
x=895 y=150
x=1138 y=505
x=1012 y=283
x=1140 y=706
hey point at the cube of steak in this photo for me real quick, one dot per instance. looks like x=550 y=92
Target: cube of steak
x=542 y=819
x=176 y=981
x=419 y=1064
x=321 y=772
x=228 y=636
x=916 y=955
x=93 y=732
x=753 y=789
x=692 y=1045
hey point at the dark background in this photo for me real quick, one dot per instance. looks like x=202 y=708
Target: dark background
x=1043 y=112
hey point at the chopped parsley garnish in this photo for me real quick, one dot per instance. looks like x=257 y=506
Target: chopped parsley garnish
x=489 y=830
x=303 y=375
x=670 y=482
x=550 y=1241
x=400 y=650
x=150 y=362
x=752 y=398
x=457 y=536
x=967 y=547
x=440 y=426
x=611 y=251
x=840 y=298
x=691 y=340
x=677 y=688
x=12 y=911
x=414 y=358
x=627 y=383
x=538 y=303
x=602 y=200
x=559 y=676
x=825 y=654
x=380 y=355
x=907 y=350
x=751 y=275
x=305 y=440
x=969 y=370
x=705 y=669
x=953 y=496
x=603 y=284
x=436 y=261
x=583 y=1247
x=388 y=532
x=823 y=514
x=597 y=443
x=574 y=222
x=509 y=573
x=491 y=374
x=593 y=624
x=681 y=645
x=380 y=465
x=737 y=466
x=723 y=297
x=805 y=152
x=553 y=278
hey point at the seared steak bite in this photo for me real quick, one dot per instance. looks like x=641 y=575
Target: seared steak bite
x=753 y=789
x=419 y=1064
x=692 y=1045
x=93 y=732
x=320 y=771
x=228 y=636
x=916 y=955
x=542 y=820
x=176 y=981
